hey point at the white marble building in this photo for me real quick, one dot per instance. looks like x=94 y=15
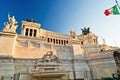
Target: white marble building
x=38 y=54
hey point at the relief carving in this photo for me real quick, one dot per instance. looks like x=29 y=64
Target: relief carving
x=50 y=57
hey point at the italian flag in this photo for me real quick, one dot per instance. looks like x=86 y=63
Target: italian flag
x=114 y=10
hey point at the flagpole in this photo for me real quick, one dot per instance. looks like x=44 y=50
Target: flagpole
x=117 y=4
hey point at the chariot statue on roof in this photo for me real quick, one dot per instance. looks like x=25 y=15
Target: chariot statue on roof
x=85 y=31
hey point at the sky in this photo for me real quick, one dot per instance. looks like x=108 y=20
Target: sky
x=63 y=15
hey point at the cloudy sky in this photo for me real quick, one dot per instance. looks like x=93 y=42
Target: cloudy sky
x=62 y=15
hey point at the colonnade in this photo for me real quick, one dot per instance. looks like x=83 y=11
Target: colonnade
x=57 y=41
x=30 y=32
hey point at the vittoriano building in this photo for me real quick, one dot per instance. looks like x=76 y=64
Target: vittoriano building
x=38 y=54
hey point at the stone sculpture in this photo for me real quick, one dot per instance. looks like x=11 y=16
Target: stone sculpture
x=10 y=26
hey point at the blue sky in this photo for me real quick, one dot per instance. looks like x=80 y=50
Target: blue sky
x=62 y=15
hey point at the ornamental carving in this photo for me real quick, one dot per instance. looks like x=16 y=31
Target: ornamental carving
x=50 y=57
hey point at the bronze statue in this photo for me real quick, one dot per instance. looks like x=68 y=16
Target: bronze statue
x=85 y=30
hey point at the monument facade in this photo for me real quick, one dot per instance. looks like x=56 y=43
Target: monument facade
x=38 y=54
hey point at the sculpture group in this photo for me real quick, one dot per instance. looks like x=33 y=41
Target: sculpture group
x=50 y=57
x=10 y=26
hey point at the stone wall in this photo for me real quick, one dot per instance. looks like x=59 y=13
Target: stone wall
x=6 y=67
x=102 y=65
x=7 y=43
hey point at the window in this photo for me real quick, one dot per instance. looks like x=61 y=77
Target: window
x=62 y=42
x=95 y=40
x=48 y=39
x=56 y=41
x=82 y=42
x=51 y=39
x=59 y=41
x=35 y=32
x=31 y=32
x=42 y=36
x=26 y=32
